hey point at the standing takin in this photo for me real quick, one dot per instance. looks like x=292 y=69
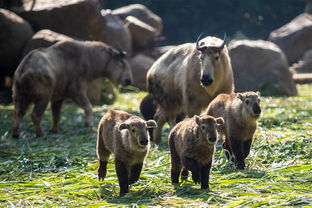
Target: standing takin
x=125 y=136
x=62 y=71
x=240 y=112
x=192 y=145
x=187 y=78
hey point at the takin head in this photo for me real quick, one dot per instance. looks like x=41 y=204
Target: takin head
x=251 y=103
x=119 y=67
x=209 y=49
x=138 y=131
x=208 y=127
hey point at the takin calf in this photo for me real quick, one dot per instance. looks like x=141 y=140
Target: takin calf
x=61 y=71
x=187 y=78
x=125 y=135
x=240 y=112
x=192 y=145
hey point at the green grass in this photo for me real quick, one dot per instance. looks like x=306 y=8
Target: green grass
x=59 y=170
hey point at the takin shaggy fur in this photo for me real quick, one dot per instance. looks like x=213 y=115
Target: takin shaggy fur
x=192 y=145
x=124 y=135
x=187 y=78
x=240 y=112
x=62 y=71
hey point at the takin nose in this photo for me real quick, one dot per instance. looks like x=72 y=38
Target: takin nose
x=143 y=142
x=256 y=110
x=206 y=80
x=212 y=139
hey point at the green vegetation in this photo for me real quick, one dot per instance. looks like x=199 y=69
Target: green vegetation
x=59 y=170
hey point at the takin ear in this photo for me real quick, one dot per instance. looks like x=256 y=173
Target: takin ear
x=151 y=124
x=258 y=93
x=220 y=121
x=240 y=96
x=197 y=119
x=123 y=126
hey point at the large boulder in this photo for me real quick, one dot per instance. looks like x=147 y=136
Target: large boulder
x=118 y=35
x=44 y=39
x=305 y=64
x=14 y=34
x=261 y=66
x=142 y=34
x=140 y=64
x=77 y=18
x=142 y=13
x=295 y=37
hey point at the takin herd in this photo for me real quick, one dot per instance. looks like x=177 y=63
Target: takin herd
x=181 y=84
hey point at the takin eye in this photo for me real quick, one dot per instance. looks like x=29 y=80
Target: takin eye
x=203 y=128
x=133 y=130
x=216 y=57
x=247 y=102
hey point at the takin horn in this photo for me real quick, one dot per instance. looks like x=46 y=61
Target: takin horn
x=214 y=48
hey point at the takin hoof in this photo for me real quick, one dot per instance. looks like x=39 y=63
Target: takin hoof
x=15 y=135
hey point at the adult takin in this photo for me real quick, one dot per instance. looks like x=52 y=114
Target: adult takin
x=62 y=71
x=192 y=146
x=187 y=78
x=124 y=135
x=240 y=112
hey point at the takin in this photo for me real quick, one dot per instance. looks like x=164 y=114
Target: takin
x=192 y=146
x=187 y=78
x=62 y=71
x=240 y=112
x=125 y=135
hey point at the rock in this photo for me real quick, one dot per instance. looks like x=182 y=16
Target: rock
x=140 y=64
x=305 y=64
x=44 y=39
x=14 y=34
x=76 y=18
x=308 y=7
x=142 y=13
x=142 y=34
x=261 y=66
x=118 y=35
x=303 y=78
x=295 y=37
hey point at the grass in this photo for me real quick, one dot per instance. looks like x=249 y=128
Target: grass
x=59 y=170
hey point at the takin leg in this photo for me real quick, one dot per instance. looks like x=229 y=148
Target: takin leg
x=56 y=110
x=237 y=149
x=176 y=165
x=81 y=99
x=103 y=155
x=135 y=171
x=247 y=145
x=184 y=174
x=227 y=150
x=205 y=171
x=160 y=120
x=122 y=174
x=39 y=108
x=19 y=112
x=193 y=166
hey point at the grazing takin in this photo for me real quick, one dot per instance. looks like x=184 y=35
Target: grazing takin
x=187 y=78
x=240 y=112
x=125 y=136
x=62 y=71
x=192 y=145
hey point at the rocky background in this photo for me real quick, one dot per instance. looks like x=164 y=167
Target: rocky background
x=272 y=65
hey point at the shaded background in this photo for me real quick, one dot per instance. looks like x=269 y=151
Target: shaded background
x=184 y=20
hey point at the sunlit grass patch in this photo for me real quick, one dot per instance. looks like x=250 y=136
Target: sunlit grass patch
x=59 y=170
